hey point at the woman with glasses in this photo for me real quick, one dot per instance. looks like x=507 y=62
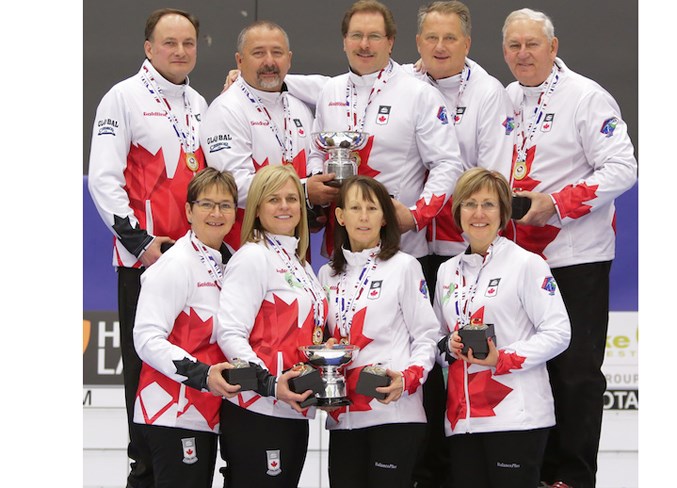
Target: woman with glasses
x=378 y=301
x=181 y=386
x=499 y=401
x=271 y=304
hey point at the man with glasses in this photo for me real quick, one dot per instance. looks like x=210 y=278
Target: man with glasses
x=256 y=122
x=411 y=148
x=573 y=157
x=145 y=150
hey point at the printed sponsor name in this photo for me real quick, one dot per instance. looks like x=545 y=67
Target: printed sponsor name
x=621 y=400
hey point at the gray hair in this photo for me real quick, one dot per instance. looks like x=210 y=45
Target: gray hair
x=528 y=14
x=259 y=23
x=446 y=8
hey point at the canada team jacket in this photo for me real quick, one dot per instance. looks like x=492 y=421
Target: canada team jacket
x=264 y=315
x=517 y=294
x=582 y=156
x=138 y=175
x=393 y=324
x=174 y=336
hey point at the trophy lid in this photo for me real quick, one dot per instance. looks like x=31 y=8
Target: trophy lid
x=348 y=139
x=321 y=355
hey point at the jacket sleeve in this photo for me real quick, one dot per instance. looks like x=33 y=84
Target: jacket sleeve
x=162 y=301
x=421 y=322
x=306 y=88
x=608 y=151
x=243 y=291
x=438 y=147
x=543 y=304
x=111 y=139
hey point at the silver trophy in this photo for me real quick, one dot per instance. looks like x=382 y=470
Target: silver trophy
x=329 y=360
x=342 y=149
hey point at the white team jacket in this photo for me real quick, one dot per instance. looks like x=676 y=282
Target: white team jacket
x=393 y=324
x=517 y=293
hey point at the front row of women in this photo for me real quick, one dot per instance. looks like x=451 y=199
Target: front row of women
x=196 y=316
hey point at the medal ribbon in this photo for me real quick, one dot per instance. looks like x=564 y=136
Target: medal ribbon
x=345 y=310
x=310 y=286
x=355 y=124
x=465 y=77
x=284 y=139
x=463 y=295
x=214 y=269
x=188 y=141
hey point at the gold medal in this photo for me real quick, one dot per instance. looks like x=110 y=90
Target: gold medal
x=357 y=157
x=191 y=162
x=520 y=170
x=317 y=335
x=344 y=341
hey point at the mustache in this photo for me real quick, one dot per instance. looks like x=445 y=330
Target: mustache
x=268 y=70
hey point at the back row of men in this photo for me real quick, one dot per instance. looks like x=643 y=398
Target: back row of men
x=557 y=136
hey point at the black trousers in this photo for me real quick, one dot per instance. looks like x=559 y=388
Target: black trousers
x=509 y=459
x=432 y=463
x=576 y=377
x=261 y=451
x=129 y=286
x=181 y=458
x=374 y=457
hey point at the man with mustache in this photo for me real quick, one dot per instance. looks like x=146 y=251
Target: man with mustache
x=412 y=147
x=257 y=123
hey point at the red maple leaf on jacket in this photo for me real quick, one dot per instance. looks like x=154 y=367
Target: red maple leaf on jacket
x=445 y=228
x=570 y=200
x=364 y=153
x=485 y=393
x=527 y=183
x=424 y=212
x=507 y=361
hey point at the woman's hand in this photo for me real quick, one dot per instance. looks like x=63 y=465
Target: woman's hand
x=394 y=390
x=491 y=359
x=285 y=394
x=217 y=384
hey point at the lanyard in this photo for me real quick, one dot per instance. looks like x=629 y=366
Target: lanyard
x=285 y=138
x=214 y=269
x=465 y=295
x=355 y=124
x=345 y=309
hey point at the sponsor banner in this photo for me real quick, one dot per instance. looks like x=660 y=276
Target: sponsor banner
x=621 y=360
x=621 y=400
x=103 y=397
x=101 y=353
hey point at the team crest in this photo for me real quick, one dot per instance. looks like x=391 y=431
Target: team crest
x=609 y=126
x=274 y=464
x=546 y=126
x=375 y=290
x=442 y=115
x=383 y=114
x=549 y=285
x=423 y=288
x=299 y=128
x=189 y=450
x=492 y=288
x=509 y=124
x=459 y=115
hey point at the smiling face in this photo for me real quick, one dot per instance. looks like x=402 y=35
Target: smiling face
x=442 y=44
x=365 y=56
x=264 y=59
x=211 y=226
x=172 y=48
x=481 y=224
x=280 y=212
x=362 y=218
x=528 y=52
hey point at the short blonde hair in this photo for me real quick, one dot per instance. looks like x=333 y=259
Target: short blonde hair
x=267 y=181
x=476 y=179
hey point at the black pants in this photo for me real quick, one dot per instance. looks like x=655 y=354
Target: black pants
x=576 y=377
x=374 y=457
x=432 y=463
x=509 y=459
x=129 y=286
x=181 y=458
x=261 y=451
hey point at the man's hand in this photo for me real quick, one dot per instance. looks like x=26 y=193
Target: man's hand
x=230 y=79
x=153 y=252
x=542 y=208
x=405 y=219
x=318 y=192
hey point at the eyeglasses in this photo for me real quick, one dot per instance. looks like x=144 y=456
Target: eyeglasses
x=358 y=36
x=208 y=205
x=486 y=206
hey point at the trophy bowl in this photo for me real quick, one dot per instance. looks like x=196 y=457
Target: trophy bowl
x=328 y=360
x=341 y=148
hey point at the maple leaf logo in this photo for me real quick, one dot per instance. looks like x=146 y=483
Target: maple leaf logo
x=508 y=361
x=425 y=212
x=570 y=200
x=447 y=230
x=258 y=166
x=363 y=167
x=485 y=394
